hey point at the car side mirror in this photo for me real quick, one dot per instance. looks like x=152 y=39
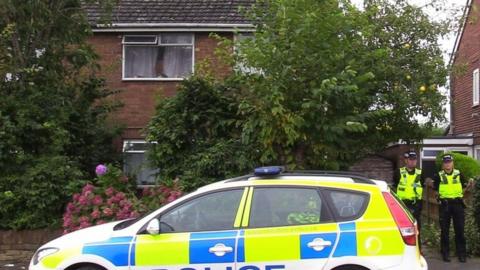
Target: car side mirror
x=153 y=227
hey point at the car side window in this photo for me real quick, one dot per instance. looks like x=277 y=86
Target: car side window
x=347 y=205
x=285 y=206
x=211 y=212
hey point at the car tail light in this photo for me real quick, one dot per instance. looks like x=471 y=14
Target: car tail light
x=406 y=226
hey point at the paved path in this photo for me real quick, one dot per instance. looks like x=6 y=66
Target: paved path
x=435 y=262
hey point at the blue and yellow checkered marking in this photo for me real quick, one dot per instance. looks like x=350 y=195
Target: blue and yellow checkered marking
x=115 y=250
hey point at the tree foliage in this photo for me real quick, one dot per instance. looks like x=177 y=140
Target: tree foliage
x=52 y=109
x=334 y=82
x=197 y=134
x=320 y=84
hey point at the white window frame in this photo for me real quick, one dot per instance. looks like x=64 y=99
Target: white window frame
x=445 y=149
x=477 y=148
x=125 y=150
x=157 y=43
x=476 y=87
x=423 y=157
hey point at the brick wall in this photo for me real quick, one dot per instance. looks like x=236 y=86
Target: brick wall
x=466 y=117
x=19 y=246
x=375 y=167
x=139 y=98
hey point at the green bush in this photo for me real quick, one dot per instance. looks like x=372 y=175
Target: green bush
x=431 y=234
x=198 y=134
x=53 y=110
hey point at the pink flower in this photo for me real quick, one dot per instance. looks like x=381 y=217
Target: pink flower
x=134 y=214
x=99 y=222
x=84 y=225
x=101 y=170
x=88 y=187
x=120 y=196
x=108 y=212
x=111 y=201
x=83 y=219
x=67 y=222
x=87 y=193
x=70 y=207
x=76 y=196
x=109 y=191
x=97 y=200
x=83 y=200
x=95 y=214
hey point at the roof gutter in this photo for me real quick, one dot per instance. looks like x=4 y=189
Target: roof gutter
x=177 y=27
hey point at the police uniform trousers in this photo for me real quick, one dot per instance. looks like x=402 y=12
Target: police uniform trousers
x=415 y=207
x=452 y=209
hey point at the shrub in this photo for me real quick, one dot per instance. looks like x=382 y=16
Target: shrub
x=111 y=196
x=198 y=134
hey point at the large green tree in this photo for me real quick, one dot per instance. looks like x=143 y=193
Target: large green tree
x=332 y=82
x=52 y=109
x=319 y=85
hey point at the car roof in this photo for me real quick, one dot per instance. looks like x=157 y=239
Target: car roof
x=302 y=177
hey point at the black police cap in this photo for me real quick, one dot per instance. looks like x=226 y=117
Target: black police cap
x=447 y=157
x=410 y=155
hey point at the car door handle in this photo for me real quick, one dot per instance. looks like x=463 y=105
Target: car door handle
x=220 y=250
x=318 y=244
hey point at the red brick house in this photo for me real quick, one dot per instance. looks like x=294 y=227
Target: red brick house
x=465 y=93
x=464 y=129
x=149 y=46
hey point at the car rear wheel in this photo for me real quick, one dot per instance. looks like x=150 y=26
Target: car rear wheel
x=350 y=267
x=86 y=267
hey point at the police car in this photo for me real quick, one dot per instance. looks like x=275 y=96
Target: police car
x=270 y=220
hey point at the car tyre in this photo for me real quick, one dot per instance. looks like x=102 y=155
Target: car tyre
x=350 y=267
x=88 y=267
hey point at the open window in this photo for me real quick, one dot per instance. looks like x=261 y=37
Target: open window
x=165 y=56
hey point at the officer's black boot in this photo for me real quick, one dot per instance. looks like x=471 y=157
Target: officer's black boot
x=445 y=257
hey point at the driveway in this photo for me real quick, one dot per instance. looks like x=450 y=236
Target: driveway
x=435 y=262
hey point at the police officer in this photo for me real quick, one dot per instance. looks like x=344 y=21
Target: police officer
x=449 y=184
x=408 y=183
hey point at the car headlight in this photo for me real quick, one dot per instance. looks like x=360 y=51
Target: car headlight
x=42 y=253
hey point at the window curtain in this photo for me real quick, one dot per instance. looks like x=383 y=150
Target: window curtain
x=140 y=61
x=177 y=61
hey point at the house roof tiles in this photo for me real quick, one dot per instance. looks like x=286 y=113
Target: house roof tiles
x=173 y=11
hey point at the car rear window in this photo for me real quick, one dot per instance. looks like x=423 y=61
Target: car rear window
x=347 y=205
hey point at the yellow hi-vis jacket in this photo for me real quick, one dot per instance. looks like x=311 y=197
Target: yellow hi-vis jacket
x=450 y=185
x=409 y=185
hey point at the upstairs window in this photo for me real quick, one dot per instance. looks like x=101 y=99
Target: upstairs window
x=476 y=88
x=167 y=56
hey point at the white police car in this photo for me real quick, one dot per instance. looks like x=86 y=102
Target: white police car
x=272 y=220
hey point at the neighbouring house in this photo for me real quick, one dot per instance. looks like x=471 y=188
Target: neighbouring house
x=148 y=47
x=463 y=134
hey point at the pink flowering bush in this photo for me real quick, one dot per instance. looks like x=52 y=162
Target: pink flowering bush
x=155 y=197
x=95 y=205
x=113 y=197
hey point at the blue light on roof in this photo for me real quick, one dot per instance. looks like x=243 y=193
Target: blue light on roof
x=272 y=170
